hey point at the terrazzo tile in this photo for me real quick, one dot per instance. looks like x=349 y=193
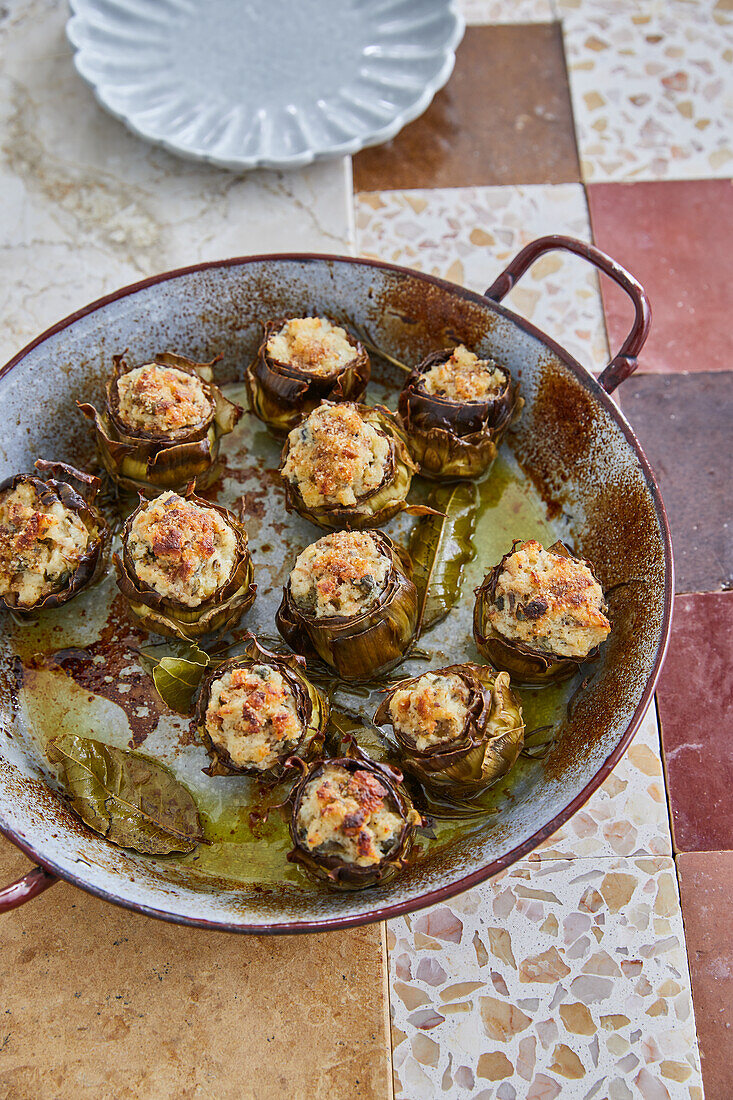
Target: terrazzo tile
x=627 y=815
x=469 y=234
x=506 y=11
x=683 y=423
x=668 y=234
x=706 y=885
x=489 y=124
x=650 y=83
x=99 y=1003
x=695 y=699
x=567 y=978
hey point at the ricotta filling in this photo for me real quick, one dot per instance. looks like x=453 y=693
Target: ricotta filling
x=550 y=602
x=161 y=399
x=431 y=710
x=334 y=457
x=311 y=344
x=465 y=378
x=340 y=574
x=348 y=814
x=181 y=550
x=252 y=714
x=41 y=544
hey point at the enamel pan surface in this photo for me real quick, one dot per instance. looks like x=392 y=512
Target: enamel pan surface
x=571 y=440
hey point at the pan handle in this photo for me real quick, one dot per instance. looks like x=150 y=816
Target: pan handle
x=623 y=364
x=25 y=888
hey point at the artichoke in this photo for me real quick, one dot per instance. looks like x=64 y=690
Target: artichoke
x=527 y=664
x=31 y=509
x=150 y=461
x=281 y=393
x=372 y=508
x=450 y=438
x=377 y=801
x=311 y=710
x=166 y=613
x=373 y=640
x=480 y=752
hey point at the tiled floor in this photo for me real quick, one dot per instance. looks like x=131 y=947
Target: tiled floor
x=540 y=984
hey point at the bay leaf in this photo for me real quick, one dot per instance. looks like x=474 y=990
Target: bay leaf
x=176 y=671
x=128 y=798
x=346 y=730
x=440 y=547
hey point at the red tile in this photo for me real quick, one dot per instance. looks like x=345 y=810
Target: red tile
x=695 y=701
x=491 y=124
x=706 y=889
x=683 y=422
x=669 y=234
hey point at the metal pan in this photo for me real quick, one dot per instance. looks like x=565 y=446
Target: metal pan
x=577 y=451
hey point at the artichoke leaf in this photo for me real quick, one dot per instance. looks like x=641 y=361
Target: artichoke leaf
x=441 y=545
x=127 y=798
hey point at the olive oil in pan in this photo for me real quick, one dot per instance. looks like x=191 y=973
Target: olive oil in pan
x=97 y=689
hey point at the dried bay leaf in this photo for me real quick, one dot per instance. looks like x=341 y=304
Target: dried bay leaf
x=128 y=798
x=440 y=546
x=176 y=670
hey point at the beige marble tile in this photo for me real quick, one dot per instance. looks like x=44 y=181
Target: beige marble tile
x=104 y=1004
x=505 y=11
x=564 y=979
x=651 y=84
x=469 y=234
x=87 y=207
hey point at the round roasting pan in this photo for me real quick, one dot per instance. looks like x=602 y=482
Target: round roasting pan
x=571 y=440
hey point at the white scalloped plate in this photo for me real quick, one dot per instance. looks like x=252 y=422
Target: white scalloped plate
x=265 y=83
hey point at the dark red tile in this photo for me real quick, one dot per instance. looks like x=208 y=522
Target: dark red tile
x=695 y=702
x=683 y=422
x=668 y=234
x=706 y=889
x=503 y=117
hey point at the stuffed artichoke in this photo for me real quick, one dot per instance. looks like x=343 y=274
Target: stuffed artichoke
x=185 y=568
x=301 y=362
x=458 y=729
x=162 y=424
x=454 y=409
x=53 y=539
x=255 y=711
x=352 y=823
x=347 y=465
x=540 y=614
x=350 y=600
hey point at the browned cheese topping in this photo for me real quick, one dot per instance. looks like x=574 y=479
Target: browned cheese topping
x=348 y=814
x=549 y=602
x=340 y=574
x=431 y=710
x=335 y=457
x=41 y=544
x=311 y=344
x=464 y=378
x=252 y=714
x=182 y=550
x=161 y=399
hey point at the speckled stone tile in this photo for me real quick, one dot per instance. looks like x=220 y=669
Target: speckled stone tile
x=506 y=11
x=489 y=124
x=102 y=1004
x=87 y=207
x=695 y=698
x=565 y=979
x=683 y=422
x=650 y=83
x=706 y=887
x=627 y=815
x=469 y=234
x=668 y=234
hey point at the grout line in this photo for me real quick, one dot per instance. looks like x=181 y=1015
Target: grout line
x=665 y=773
x=388 y=1007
